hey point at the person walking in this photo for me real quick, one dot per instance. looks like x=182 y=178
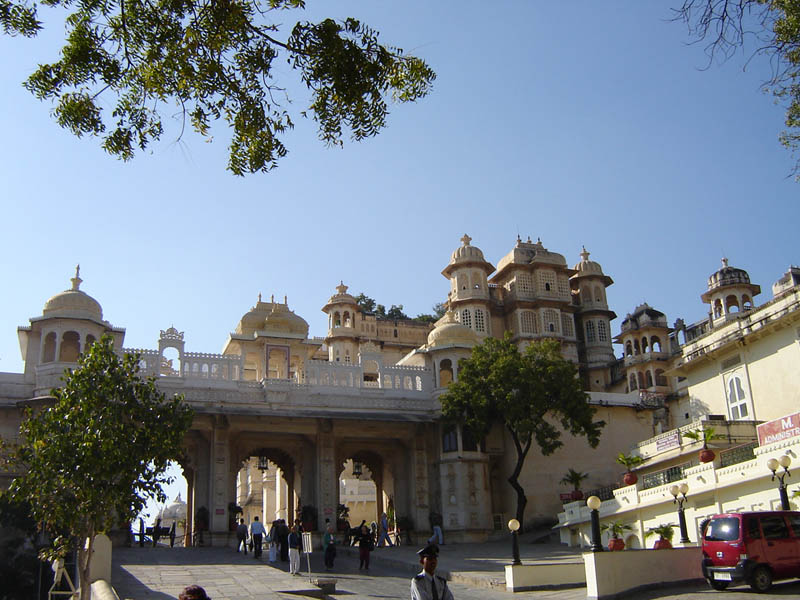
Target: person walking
x=241 y=536
x=273 y=542
x=437 y=537
x=427 y=585
x=283 y=536
x=383 y=535
x=365 y=546
x=294 y=551
x=257 y=531
x=329 y=547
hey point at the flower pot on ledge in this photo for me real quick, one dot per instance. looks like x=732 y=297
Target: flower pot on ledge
x=630 y=478
x=662 y=544
x=707 y=456
x=616 y=544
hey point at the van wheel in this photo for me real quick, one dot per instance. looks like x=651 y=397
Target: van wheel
x=718 y=585
x=761 y=579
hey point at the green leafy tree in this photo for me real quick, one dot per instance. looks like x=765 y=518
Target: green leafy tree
x=535 y=394
x=396 y=312
x=124 y=62
x=774 y=26
x=438 y=312
x=365 y=303
x=91 y=459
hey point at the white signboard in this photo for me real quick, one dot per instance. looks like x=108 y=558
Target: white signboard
x=307 y=542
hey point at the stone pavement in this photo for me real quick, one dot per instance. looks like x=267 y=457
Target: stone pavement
x=475 y=573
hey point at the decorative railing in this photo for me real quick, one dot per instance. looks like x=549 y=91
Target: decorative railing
x=737 y=454
x=676 y=473
x=604 y=493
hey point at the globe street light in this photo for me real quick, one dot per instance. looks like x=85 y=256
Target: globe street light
x=681 y=490
x=513 y=526
x=773 y=464
x=593 y=502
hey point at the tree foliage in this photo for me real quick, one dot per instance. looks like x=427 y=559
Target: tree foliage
x=535 y=394
x=726 y=25
x=91 y=459
x=125 y=62
x=438 y=312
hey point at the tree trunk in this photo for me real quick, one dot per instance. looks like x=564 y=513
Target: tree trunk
x=84 y=562
x=513 y=479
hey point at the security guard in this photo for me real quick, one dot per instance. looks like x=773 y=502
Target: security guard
x=427 y=585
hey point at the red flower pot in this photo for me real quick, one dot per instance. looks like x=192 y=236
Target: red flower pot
x=615 y=544
x=662 y=544
x=707 y=455
x=576 y=495
x=630 y=478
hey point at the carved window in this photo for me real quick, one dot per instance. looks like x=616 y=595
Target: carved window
x=466 y=318
x=49 y=353
x=563 y=285
x=590 y=335
x=547 y=282
x=529 y=322
x=480 y=324
x=566 y=325
x=551 y=320
x=524 y=283
x=602 y=331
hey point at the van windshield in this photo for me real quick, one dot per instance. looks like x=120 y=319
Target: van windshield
x=722 y=530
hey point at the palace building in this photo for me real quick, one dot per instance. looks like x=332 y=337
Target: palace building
x=288 y=424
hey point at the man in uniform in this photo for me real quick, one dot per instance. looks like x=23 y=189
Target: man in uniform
x=427 y=585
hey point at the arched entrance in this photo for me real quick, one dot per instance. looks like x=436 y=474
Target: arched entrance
x=265 y=485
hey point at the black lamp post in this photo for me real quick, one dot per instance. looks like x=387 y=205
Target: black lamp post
x=513 y=526
x=593 y=502
x=773 y=464
x=677 y=491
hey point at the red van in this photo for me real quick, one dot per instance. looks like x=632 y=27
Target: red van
x=755 y=547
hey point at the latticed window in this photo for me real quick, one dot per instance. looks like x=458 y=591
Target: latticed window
x=566 y=325
x=551 y=319
x=529 y=322
x=547 y=282
x=480 y=323
x=466 y=318
x=563 y=285
x=590 y=336
x=524 y=283
x=602 y=331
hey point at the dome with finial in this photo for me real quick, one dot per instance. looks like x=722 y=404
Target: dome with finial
x=283 y=320
x=175 y=511
x=272 y=317
x=340 y=297
x=74 y=303
x=728 y=276
x=449 y=332
x=466 y=255
x=588 y=267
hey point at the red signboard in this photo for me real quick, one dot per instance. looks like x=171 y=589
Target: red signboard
x=779 y=429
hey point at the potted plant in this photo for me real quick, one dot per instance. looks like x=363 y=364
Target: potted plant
x=201 y=520
x=630 y=462
x=705 y=435
x=233 y=511
x=343 y=518
x=616 y=529
x=574 y=478
x=665 y=533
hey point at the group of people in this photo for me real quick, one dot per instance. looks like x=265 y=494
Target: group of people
x=424 y=586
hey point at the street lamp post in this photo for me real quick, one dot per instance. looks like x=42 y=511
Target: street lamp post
x=593 y=502
x=773 y=464
x=513 y=526
x=677 y=491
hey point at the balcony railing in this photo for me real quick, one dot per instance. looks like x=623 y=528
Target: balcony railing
x=604 y=493
x=737 y=454
x=651 y=480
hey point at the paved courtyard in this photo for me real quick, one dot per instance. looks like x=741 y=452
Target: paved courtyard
x=161 y=573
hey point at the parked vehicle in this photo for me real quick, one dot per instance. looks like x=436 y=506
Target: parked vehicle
x=754 y=547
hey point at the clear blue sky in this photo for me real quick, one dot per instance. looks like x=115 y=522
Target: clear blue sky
x=580 y=123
